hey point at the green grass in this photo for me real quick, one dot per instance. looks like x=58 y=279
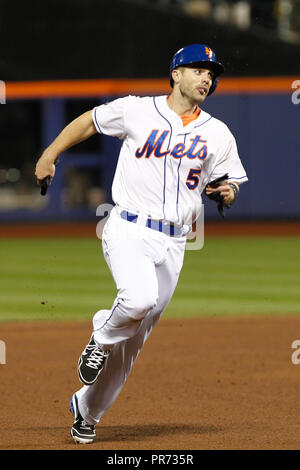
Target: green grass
x=68 y=278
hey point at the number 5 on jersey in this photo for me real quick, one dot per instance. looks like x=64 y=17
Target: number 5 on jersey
x=193 y=178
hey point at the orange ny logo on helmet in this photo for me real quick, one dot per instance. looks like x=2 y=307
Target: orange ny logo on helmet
x=208 y=52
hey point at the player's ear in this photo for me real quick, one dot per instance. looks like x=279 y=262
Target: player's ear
x=176 y=75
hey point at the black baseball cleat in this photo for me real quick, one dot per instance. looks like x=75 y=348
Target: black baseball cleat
x=91 y=363
x=81 y=431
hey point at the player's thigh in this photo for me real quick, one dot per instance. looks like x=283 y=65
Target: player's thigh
x=167 y=273
x=132 y=269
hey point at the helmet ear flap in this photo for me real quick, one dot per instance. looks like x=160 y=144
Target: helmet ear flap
x=213 y=86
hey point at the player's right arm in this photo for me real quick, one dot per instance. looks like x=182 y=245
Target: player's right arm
x=77 y=131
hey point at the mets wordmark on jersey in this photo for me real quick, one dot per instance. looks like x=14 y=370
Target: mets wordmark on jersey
x=163 y=165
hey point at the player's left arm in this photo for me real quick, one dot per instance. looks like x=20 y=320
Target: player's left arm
x=224 y=182
x=229 y=191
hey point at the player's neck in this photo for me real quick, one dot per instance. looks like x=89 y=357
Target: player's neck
x=182 y=106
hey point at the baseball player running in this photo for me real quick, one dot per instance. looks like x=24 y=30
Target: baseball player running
x=171 y=151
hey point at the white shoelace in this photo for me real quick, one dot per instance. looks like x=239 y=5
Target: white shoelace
x=96 y=358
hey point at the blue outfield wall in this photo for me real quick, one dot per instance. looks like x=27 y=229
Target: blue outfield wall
x=267 y=130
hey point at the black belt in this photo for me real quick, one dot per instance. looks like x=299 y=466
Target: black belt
x=165 y=227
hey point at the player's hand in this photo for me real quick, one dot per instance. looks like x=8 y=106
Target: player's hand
x=225 y=190
x=44 y=167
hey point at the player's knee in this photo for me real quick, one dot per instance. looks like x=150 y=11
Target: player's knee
x=139 y=305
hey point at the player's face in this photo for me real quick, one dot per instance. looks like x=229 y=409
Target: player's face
x=195 y=82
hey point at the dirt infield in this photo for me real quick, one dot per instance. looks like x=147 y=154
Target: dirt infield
x=221 y=228
x=213 y=383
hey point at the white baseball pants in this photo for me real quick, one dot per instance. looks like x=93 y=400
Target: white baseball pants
x=145 y=265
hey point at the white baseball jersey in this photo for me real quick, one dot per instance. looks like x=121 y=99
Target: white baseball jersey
x=163 y=165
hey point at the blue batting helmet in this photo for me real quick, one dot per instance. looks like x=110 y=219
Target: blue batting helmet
x=197 y=54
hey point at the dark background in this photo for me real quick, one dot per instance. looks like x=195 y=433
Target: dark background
x=63 y=39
